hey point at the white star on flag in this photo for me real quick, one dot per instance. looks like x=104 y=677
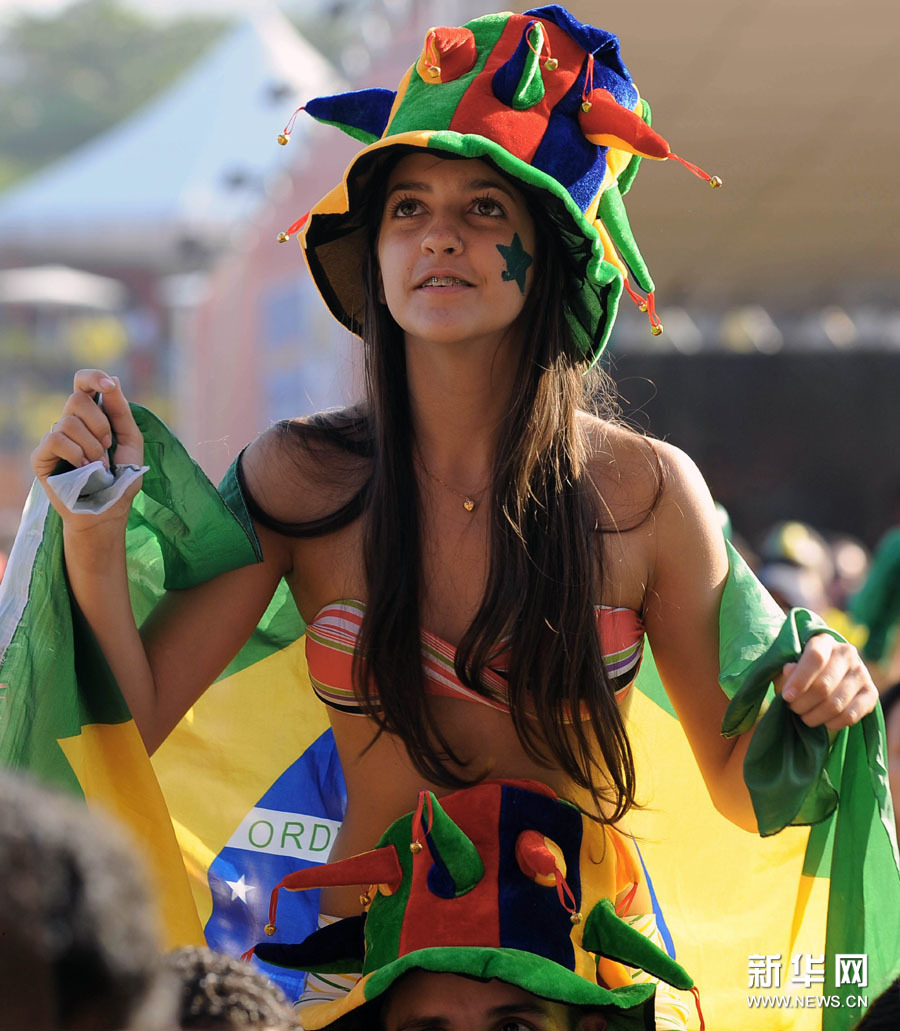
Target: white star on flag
x=239 y=889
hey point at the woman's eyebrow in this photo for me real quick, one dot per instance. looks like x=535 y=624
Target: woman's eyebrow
x=417 y=186
x=420 y=1022
x=490 y=184
x=424 y=1023
x=524 y=1009
x=409 y=184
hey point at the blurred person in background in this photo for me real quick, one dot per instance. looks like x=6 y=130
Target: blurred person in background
x=221 y=993
x=800 y=569
x=851 y=561
x=796 y=565
x=78 y=935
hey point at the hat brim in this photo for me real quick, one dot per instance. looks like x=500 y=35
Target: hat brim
x=628 y=1008
x=335 y=237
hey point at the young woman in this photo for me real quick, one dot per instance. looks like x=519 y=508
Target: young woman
x=657 y=553
x=477 y=555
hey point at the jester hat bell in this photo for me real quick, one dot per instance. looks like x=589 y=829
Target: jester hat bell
x=499 y=881
x=549 y=102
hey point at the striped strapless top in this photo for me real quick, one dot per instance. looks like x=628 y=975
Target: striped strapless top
x=331 y=642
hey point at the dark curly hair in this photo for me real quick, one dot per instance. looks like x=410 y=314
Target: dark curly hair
x=75 y=908
x=221 y=992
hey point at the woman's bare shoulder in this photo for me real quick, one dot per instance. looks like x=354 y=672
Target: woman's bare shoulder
x=626 y=467
x=635 y=470
x=303 y=469
x=658 y=479
x=653 y=493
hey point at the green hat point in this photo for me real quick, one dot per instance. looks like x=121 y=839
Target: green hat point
x=613 y=215
x=456 y=865
x=530 y=89
x=608 y=935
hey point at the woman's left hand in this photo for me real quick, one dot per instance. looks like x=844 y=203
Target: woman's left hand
x=829 y=685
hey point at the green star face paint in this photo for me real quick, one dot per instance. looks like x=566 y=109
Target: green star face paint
x=517 y=262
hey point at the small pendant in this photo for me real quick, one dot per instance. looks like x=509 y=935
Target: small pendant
x=468 y=504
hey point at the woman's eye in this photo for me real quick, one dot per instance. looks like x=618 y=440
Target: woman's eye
x=488 y=206
x=405 y=207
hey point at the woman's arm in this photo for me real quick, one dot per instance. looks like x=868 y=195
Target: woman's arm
x=829 y=684
x=193 y=634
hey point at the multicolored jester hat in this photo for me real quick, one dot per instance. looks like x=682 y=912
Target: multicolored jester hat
x=546 y=99
x=501 y=880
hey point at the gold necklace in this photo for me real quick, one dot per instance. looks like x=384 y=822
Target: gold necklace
x=469 y=500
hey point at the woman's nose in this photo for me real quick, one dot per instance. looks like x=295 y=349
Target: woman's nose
x=442 y=237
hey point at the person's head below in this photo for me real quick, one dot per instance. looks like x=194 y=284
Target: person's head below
x=78 y=942
x=220 y=993
x=424 y=999
x=481 y=927
x=884 y=1013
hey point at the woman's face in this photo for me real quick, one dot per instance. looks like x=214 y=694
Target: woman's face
x=456 y=249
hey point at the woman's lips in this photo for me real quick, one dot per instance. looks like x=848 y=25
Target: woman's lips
x=440 y=281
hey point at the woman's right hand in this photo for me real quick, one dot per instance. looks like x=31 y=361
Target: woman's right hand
x=83 y=434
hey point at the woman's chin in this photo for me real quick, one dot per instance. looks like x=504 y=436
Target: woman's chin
x=453 y=329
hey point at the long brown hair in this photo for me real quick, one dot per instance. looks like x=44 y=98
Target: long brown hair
x=546 y=545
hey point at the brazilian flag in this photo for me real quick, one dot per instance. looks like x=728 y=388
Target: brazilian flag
x=778 y=931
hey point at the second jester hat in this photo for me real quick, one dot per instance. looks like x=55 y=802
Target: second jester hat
x=502 y=880
x=547 y=100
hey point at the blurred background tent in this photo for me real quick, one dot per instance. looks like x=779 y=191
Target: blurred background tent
x=778 y=293
x=166 y=187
